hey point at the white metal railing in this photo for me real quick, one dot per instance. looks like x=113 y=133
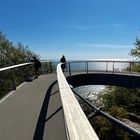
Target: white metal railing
x=101 y=65
x=77 y=125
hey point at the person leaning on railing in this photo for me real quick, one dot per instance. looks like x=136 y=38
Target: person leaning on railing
x=63 y=60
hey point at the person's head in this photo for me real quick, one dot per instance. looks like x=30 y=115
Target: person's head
x=34 y=57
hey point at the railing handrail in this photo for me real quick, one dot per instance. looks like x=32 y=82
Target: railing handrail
x=22 y=64
x=76 y=123
x=15 y=66
x=48 y=61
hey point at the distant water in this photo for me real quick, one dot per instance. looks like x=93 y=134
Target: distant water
x=103 y=66
x=89 y=90
x=91 y=93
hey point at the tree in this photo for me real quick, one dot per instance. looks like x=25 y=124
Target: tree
x=12 y=54
x=135 y=52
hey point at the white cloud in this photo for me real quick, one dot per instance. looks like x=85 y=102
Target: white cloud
x=115 y=25
x=118 y=25
x=106 y=46
x=80 y=27
x=77 y=27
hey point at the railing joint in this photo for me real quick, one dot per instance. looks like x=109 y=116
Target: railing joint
x=94 y=114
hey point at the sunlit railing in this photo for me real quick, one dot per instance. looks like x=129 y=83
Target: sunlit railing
x=76 y=124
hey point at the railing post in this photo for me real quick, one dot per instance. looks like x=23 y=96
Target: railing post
x=113 y=67
x=106 y=66
x=130 y=66
x=69 y=69
x=87 y=67
x=50 y=63
x=13 y=79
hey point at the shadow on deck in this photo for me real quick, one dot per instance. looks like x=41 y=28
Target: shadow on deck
x=33 y=111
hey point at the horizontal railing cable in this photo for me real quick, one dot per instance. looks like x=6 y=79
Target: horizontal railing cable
x=117 y=122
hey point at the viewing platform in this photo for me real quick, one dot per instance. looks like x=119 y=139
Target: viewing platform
x=46 y=108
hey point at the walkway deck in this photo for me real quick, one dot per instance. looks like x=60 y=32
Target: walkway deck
x=33 y=112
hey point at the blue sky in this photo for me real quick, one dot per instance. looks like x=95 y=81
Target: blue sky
x=79 y=29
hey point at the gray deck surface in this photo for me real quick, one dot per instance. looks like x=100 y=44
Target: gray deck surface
x=33 y=112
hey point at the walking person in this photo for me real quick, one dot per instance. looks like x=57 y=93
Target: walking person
x=63 y=60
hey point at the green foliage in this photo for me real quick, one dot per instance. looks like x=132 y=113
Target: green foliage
x=105 y=129
x=135 y=67
x=47 y=68
x=13 y=54
x=135 y=52
x=128 y=98
x=108 y=131
x=118 y=102
x=6 y=83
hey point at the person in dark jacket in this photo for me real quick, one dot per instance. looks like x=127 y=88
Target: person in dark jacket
x=37 y=65
x=63 y=60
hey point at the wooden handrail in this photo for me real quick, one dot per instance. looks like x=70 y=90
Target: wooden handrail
x=77 y=124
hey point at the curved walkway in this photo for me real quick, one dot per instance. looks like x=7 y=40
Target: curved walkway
x=33 y=112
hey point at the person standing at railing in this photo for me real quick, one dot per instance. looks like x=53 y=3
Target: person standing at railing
x=37 y=65
x=63 y=60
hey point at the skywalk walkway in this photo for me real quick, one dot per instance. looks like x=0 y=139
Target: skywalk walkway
x=33 y=112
